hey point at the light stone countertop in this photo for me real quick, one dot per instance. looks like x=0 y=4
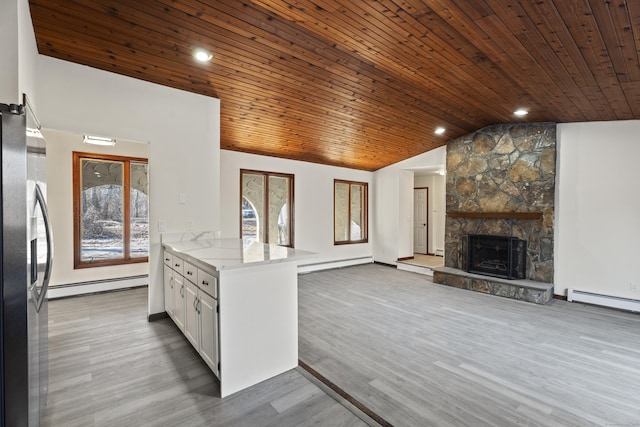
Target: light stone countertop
x=224 y=254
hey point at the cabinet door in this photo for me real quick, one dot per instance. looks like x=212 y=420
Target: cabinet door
x=209 y=331
x=168 y=290
x=178 y=300
x=192 y=317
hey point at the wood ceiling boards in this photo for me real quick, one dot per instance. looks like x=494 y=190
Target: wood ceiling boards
x=363 y=84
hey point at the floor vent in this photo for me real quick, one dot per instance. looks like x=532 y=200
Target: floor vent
x=603 y=300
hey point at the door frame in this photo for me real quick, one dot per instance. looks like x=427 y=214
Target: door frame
x=426 y=229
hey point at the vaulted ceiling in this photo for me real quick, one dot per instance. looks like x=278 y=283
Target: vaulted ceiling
x=362 y=83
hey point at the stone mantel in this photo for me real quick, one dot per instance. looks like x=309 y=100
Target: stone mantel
x=497 y=215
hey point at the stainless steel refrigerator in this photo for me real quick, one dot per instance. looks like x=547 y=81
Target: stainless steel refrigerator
x=26 y=260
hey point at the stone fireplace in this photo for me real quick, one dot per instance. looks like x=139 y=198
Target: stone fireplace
x=496 y=256
x=501 y=183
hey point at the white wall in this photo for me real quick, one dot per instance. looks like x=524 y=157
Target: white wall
x=597 y=226
x=313 y=202
x=60 y=146
x=183 y=130
x=18 y=66
x=28 y=55
x=392 y=238
x=9 y=49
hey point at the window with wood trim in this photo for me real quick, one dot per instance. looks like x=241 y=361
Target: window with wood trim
x=110 y=210
x=266 y=207
x=350 y=216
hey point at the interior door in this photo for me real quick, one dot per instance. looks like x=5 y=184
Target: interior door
x=420 y=208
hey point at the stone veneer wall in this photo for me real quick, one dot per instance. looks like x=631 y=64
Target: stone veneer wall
x=504 y=169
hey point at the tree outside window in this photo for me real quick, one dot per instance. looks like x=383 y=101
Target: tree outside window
x=111 y=210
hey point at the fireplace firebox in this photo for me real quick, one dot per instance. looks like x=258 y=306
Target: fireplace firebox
x=497 y=256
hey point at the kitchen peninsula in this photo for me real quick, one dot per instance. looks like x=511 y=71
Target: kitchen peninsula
x=236 y=302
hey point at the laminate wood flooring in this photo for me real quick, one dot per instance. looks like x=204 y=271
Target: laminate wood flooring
x=108 y=366
x=421 y=354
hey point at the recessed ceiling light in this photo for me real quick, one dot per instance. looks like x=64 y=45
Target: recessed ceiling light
x=202 y=55
x=521 y=113
x=439 y=131
x=99 y=140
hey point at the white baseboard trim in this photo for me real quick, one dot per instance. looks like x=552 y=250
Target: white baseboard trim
x=308 y=268
x=72 y=289
x=415 y=269
x=603 y=300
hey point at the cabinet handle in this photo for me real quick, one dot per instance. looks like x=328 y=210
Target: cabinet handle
x=167 y=259
x=198 y=306
x=182 y=291
x=204 y=282
x=177 y=265
x=189 y=273
x=195 y=306
x=171 y=282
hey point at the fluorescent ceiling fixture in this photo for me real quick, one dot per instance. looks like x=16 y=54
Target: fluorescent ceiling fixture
x=439 y=131
x=34 y=133
x=521 y=113
x=99 y=140
x=202 y=55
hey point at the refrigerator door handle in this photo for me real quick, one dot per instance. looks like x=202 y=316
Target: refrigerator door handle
x=47 y=226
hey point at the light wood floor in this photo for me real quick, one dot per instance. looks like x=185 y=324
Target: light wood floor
x=420 y=354
x=421 y=260
x=110 y=367
x=416 y=353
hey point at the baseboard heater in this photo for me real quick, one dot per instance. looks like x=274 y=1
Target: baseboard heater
x=104 y=285
x=603 y=300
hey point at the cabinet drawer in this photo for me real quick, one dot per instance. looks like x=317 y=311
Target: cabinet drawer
x=177 y=264
x=168 y=258
x=207 y=283
x=190 y=272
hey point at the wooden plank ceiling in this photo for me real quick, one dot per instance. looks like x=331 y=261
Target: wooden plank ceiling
x=363 y=84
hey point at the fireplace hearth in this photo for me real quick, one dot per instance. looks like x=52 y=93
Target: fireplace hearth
x=496 y=256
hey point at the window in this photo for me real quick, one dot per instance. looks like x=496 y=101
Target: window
x=266 y=207
x=111 y=210
x=350 y=212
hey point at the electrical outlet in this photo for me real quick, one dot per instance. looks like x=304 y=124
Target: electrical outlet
x=162 y=225
x=634 y=287
x=189 y=224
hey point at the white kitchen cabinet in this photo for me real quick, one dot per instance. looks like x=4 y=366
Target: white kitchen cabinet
x=178 y=300
x=208 y=308
x=190 y=272
x=191 y=317
x=177 y=265
x=208 y=283
x=169 y=304
x=242 y=309
x=201 y=324
x=190 y=301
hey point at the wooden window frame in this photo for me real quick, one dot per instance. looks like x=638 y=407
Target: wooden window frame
x=126 y=221
x=365 y=208
x=266 y=202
